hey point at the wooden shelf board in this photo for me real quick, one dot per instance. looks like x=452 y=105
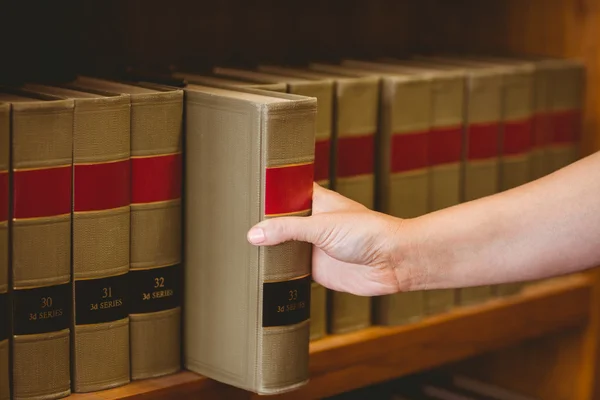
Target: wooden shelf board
x=340 y=363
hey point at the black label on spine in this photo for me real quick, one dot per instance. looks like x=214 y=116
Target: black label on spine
x=287 y=302
x=101 y=300
x=156 y=289
x=41 y=310
x=4 y=315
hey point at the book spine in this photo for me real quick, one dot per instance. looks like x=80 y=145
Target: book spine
x=155 y=275
x=482 y=150
x=445 y=154
x=516 y=141
x=403 y=177
x=287 y=178
x=41 y=248
x=101 y=228
x=566 y=117
x=356 y=125
x=4 y=216
x=323 y=92
x=542 y=123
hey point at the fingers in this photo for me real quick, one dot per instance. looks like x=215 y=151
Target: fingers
x=282 y=229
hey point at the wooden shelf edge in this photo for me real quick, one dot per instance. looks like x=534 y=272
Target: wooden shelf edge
x=339 y=363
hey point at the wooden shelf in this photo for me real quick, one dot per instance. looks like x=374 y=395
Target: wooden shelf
x=344 y=362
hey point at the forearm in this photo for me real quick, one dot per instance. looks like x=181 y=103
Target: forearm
x=541 y=229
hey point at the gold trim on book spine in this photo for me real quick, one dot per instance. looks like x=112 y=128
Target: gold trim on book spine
x=157 y=155
x=156 y=267
x=87 y=326
x=289 y=213
x=68 y=280
x=100 y=277
x=287 y=280
x=103 y=210
x=291 y=165
x=41 y=168
x=46 y=217
x=177 y=199
x=76 y=163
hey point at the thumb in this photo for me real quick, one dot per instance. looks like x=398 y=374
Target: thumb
x=282 y=229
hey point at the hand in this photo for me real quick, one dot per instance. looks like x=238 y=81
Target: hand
x=356 y=250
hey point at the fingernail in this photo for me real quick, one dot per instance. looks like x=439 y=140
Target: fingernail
x=256 y=235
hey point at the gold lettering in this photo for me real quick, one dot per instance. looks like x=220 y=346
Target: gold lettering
x=93 y=307
x=159 y=282
x=293 y=295
x=162 y=293
x=145 y=296
x=280 y=309
x=46 y=302
x=50 y=314
x=106 y=292
x=33 y=317
x=111 y=304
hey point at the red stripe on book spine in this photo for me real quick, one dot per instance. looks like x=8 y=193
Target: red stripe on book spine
x=410 y=151
x=566 y=126
x=322 y=151
x=483 y=141
x=355 y=155
x=445 y=145
x=517 y=137
x=42 y=192
x=155 y=178
x=289 y=189
x=102 y=186
x=542 y=129
x=3 y=196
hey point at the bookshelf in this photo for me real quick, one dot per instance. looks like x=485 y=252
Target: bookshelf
x=543 y=342
x=349 y=361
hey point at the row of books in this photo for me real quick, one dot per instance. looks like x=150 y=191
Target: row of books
x=435 y=386
x=107 y=188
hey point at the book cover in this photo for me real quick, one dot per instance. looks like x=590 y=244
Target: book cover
x=249 y=156
x=5 y=317
x=41 y=169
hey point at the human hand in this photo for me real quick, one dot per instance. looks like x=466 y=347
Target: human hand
x=356 y=250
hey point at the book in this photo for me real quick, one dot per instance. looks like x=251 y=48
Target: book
x=101 y=229
x=210 y=79
x=401 y=165
x=155 y=273
x=445 y=146
x=249 y=156
x=5 y=317
x=40 y=230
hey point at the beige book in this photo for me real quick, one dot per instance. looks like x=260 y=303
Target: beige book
x=347 y=312
x=42 y=164
x=212 y=80
x=5 y=317
x=445 y=148
x=249 y=157
x=402 y=166
x=155 y=234
x=101 y=228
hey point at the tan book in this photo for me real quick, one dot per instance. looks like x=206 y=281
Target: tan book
x=249 y=157
x=212 y=80
x=445 y=146
x=5 y=317
x=41 y=168
x=155 y=239
x=101 y=228
x=402 y=166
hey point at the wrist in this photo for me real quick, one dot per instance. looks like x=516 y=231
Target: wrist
x=408 y=255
